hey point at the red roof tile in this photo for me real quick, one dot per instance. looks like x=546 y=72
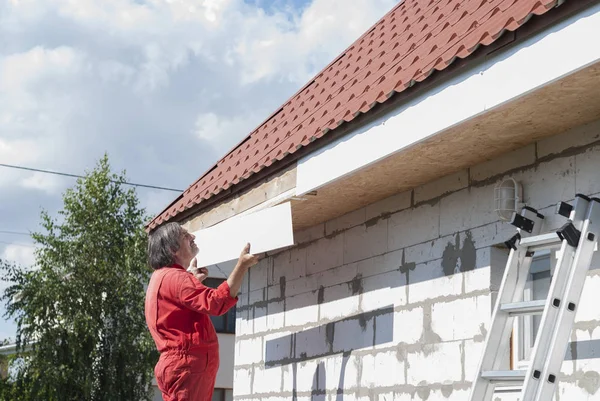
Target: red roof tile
x=406 y=46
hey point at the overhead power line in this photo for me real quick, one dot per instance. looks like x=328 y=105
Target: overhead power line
x=14 y=233
x=80 y=176
x=17 y=244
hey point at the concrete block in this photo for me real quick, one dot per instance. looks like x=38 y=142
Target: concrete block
x=509 y=161
x=444 y=185
x=576 y=137
x=248 y=351
x=588 y=305
x=353 y=334
x=260 y=320
x=428 y=281
x=243 y=382
x=334 y=366
x=384 y=330
x=388 y=370
x=274 y=292
x=492 y=234
x=472 y=353
x=244 y=325
x=578 y=391
x=389 y=205
x=350 y=372
x=288 y=378
x=290 y=264
x=257 y=296
x=584 y=351
x=408 y=326
x=461 y=319
x=380 y=264
x=587 y=171
x=312 y=342
x=301 y=309
x=413 y=226
x=328 y=278
x=383 y=290
x=471 y=207
x=349 y=220
x=278 y=347
x=267 y=380
x=258 y=274
x=477 y=280
x=310 y=234
x=275 y=315
x=447 y=356
x=365 y=241
x=325 y=254
x=549 y=183
x=305 y=375
x=338 y=302
x=427 y=251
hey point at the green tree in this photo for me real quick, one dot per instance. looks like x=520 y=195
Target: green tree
x=81 y=307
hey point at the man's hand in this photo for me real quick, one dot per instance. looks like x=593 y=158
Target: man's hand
x=200 y=273
x=247 y=260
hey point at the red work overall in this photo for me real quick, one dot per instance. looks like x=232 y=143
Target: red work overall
x=177 y=313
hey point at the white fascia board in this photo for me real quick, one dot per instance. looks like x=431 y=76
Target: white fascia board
x=557 y=52
x=265 y=230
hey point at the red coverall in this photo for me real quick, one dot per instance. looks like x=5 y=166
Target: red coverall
x=177 y=309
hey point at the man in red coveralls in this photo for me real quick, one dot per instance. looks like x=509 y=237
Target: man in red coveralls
x=177 y=312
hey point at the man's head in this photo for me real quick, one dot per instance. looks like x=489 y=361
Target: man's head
x=171 y=244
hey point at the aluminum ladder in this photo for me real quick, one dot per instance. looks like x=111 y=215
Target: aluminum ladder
x=576 y=241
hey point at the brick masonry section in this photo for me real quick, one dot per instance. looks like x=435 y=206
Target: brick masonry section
x=393 y=301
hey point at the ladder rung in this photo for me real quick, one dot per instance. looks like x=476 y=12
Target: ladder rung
x=524 y=308
x=504 y=376
x=541 y=241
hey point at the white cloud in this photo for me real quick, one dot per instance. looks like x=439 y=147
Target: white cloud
x=164 y=86
x=21 y=254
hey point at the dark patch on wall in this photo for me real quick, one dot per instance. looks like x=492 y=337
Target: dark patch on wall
x=467 y=255
x=329 y=333
x=282 y=287
x=447 y=390
x=424 y=392
x=321 y=295
x=406 y=268
x=372 y=222
x=362 y=321
x=356 y=285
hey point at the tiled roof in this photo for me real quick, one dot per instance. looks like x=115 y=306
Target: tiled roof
x=405 y=47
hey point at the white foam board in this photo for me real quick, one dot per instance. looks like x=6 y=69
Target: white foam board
x=266 y=230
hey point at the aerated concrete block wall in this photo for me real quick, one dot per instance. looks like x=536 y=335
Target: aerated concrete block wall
x=393 y=301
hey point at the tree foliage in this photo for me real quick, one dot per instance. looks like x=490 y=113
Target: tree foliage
x=81 y=307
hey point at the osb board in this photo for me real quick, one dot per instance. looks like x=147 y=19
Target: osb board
x=268 y=189
x=566 y=103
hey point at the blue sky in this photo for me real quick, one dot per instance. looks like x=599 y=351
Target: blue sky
x=164 y=86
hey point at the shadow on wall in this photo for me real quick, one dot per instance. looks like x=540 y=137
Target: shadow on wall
x=390 y=270
x=340 y=337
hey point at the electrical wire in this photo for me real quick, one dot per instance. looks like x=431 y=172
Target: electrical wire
x=17 y=244
x=80 y=176
x=14 y=233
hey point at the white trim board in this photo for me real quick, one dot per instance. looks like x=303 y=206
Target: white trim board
x=557 y=52
x=265 y=230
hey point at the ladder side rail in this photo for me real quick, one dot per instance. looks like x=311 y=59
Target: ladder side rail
x=568 y=309
x=510 y=291
x=556 y=294
x=500 y=324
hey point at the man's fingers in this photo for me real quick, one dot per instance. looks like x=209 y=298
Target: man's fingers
x=194 y=263
x=246 y=249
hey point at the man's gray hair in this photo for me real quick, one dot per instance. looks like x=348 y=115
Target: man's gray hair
x=162 y=244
